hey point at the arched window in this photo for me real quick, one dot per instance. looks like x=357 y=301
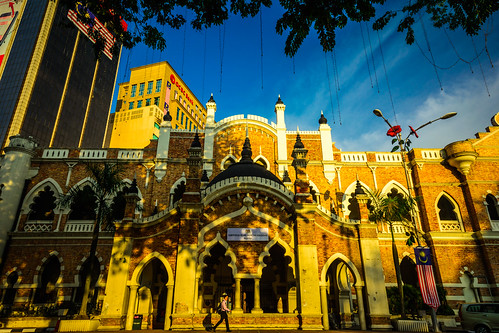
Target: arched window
x=43 y=205
x=94 y=289
x=448 y=214
x=47 y=291
x=84 y=205
x=492 y=205
x=228 y=161
x=10 y=292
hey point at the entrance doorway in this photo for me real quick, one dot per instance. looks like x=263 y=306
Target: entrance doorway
x=340 y=296
x=152 y=293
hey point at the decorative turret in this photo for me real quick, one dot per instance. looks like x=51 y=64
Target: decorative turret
x=211 y=108
x=302 y=186
x=15 y=168
x=131 y=198
x=279 y=110
x=461 y=155
x=193 y=184
x=282 y=147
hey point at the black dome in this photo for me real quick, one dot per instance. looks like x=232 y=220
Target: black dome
x=245 y=169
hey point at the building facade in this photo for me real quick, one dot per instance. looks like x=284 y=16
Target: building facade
x=52 y=86
x=246 y=207
x=142 y=102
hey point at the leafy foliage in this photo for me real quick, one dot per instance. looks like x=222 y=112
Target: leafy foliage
x=325 y=16
x=412 y=300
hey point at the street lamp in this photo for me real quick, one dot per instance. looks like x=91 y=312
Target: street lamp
x=403 y=145
x=395 y=131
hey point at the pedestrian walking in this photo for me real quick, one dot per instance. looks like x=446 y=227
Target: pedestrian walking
x=224 y=310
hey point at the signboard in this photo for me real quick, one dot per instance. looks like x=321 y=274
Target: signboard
x=248 y=234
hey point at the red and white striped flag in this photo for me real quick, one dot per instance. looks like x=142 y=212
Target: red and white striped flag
x=97 y=25
x=426 y=277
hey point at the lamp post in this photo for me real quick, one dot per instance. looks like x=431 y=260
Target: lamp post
x=403 y=145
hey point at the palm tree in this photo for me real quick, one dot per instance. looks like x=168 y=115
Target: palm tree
x=106 y=183
x=391 y=209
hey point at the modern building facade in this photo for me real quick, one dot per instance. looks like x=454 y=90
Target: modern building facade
x=246 y=207
x=52 y=86
x=152 y=91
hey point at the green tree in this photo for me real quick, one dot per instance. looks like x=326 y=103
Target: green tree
x=299 y=17
x=106 y=183
x=391 y=209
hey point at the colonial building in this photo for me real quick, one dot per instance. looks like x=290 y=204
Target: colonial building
x=245 y=207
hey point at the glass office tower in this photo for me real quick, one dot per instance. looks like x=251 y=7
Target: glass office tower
x=52 y=86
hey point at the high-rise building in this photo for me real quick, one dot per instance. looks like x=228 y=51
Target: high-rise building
x=152 y=91
x=52 y=86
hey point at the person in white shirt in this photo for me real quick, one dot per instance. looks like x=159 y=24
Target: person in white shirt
x=223 y=313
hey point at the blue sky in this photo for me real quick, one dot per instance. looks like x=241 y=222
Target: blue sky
x=304 y=87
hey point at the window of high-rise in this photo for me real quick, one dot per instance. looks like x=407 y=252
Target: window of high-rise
x=149 y=87
x=139 y=104
x=141 y=89
x=134 y=90
x=148 y=101
x=156 y=101
x=158 y=85
x=130 y=105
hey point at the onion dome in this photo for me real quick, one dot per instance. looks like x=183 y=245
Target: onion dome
x=167 y=116
x=322 y=119
x=245 y=168
x=358 y=189
x=204 y=177
x=133 y=188
x=285 y=177
x=279 y=100
x=196 y=143
x=298 y=143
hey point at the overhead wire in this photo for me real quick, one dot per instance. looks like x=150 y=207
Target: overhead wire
x=183 y=49
x=222 y=46
x=386 y=77
x=329 y=85
x=337 y=84
x=261 y=44
x=204 y=65
x=430 y=51
x=365 y=52
x=480 y=64
x=372 y=57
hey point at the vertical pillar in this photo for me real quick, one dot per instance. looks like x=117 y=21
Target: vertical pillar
x=325 y=313
x=131 y=306
x=209 y=136
x=196 y=301
x=237 y=297
x=168 y=310
x=360 y=302
x=256 y=306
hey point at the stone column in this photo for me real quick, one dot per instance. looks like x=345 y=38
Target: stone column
x=168 y=310
x=256 y=306
x=196 y=291
x=237 y=297
x=325 y=312
x=362 y=313
x=131 y=306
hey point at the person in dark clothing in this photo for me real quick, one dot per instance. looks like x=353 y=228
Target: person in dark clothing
x=223 y=313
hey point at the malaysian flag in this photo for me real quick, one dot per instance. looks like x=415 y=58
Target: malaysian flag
x=94 y=24
x=426 y=277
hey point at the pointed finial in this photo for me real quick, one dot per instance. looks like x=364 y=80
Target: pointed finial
x=322 y=119
x=211 y=98
x=196 y=143
x=279 y=100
